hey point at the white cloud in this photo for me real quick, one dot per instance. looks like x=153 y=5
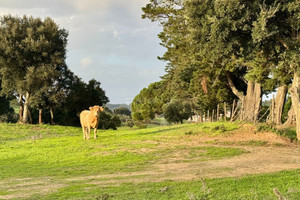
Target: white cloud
x=86 y=62
x=116 y=34
x=107 y=41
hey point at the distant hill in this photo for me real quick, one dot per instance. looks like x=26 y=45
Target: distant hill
x=114 y=106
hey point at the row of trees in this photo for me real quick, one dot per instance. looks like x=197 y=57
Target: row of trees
x=217 y=51
x=33 y=71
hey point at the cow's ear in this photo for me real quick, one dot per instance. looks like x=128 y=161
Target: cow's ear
x=91 y=108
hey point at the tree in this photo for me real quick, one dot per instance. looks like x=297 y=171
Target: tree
x=194 y=48
x=176 y=111
x=149 y=102
x=122 y=111
x=277 y=27
x=81 y=97
x=221 y=32
x=52 y=96
x=5 y=109
x=31 y=52
x=251 y=43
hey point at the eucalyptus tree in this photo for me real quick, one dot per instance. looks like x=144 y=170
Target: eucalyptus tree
x=31 y=52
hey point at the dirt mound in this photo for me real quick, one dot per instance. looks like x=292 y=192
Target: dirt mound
x=245 y=135
x=249 y=133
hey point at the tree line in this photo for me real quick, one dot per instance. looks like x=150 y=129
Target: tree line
x=218 y=51
x=33 y=72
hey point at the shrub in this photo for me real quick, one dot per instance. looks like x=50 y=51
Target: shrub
x=176 y=111
x=109 y=121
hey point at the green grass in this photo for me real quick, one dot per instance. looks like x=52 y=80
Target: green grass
x=60 y=151
x=250 y=187
x=36 y=156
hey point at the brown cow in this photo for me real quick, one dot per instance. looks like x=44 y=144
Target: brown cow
x=90 y=119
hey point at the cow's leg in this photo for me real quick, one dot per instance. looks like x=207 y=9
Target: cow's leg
x=83 y=130
x=95 y=133
x=88 y=132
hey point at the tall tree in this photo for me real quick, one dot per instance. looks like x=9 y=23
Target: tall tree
x=277 y=28
x=31 y=52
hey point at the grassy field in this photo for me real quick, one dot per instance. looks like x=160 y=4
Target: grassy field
x=190 y=161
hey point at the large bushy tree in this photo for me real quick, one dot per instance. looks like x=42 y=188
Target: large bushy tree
x=32 y=51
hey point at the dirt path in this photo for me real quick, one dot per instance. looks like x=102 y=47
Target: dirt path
x=258 y=160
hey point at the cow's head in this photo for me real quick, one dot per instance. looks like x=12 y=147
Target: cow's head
x=96 y=110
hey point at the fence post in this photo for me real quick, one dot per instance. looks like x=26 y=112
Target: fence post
x=242 y=109
x=218 y=112
x=208 y=117
x=225 y=111
x=272 y=109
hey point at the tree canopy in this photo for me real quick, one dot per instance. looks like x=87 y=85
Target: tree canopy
x=32 y=52
x=220 y=50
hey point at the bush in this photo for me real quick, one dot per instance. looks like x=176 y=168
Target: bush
x=140 y=124
x=126 y=120
x=129 y=123
x=10 y=117
x=109 y=121
x=176 y=111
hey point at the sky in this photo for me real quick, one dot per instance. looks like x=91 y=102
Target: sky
x=108 y=41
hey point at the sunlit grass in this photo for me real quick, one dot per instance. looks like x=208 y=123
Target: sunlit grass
x=56 y=154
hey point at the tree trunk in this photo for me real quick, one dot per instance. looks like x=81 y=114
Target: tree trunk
x=251 y=102
x=26 y=107
x=40 y=116
x=21 y=108
x=295 y=96
x=291 y=120
x=279 y=104
x=52 y=116
x=232 y=110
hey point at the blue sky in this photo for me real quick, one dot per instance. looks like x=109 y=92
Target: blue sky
x=108 y=41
